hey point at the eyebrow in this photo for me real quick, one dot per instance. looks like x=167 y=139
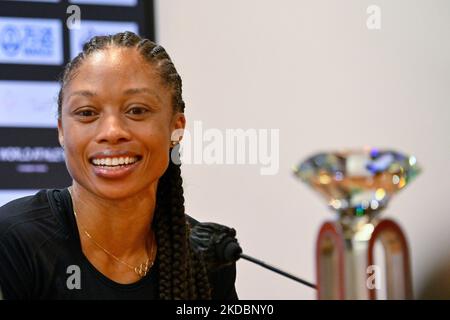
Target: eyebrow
x=84 y=93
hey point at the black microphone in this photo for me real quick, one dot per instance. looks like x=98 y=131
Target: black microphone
x=219 y=247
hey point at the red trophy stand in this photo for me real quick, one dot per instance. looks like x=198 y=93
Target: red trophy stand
x=340 y=259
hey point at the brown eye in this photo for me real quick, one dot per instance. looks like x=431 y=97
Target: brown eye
x=86 y=113
x=137 y=111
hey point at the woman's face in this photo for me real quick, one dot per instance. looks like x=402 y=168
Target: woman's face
x=115 y=111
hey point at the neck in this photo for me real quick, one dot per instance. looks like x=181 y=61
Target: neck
x=121 y=225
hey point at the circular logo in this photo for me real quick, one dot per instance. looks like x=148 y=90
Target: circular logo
x=10 y=40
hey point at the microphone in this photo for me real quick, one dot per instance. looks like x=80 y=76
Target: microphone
x=219 y=246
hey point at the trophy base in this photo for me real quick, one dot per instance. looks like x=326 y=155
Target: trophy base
x=346 y=264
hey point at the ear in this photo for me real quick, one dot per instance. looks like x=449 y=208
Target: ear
x=177 y=126
x=60 y=133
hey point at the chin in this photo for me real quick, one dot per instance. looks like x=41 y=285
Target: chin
x=117 y=192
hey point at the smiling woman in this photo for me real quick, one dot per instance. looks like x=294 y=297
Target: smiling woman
x=120 y=230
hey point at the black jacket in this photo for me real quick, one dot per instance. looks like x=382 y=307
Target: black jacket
x=41 y=256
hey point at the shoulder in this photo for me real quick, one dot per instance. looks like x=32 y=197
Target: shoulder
x=22 y=211
x=191 y=221
x=20 y=233
x=27 y=220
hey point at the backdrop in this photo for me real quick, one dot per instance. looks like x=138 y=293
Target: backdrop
x=315 y=71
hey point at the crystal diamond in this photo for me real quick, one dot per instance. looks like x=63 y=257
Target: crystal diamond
x=358 y=182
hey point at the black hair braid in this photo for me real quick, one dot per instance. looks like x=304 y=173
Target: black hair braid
x=178 y=224
x=188 y=267
x=192 y=285
x=164 y=239
x=201 y=277
x=182 y=272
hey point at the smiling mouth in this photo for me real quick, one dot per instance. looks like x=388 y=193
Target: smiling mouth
x=115 y=162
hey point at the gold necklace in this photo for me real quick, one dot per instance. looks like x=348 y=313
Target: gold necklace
x=141 y=270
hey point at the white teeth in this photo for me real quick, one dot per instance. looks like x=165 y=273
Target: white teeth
x=114 y=161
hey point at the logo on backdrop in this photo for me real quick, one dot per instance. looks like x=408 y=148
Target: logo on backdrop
x=30 y=158
x=31 y=41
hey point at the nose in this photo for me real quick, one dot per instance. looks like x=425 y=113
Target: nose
x=112 y=129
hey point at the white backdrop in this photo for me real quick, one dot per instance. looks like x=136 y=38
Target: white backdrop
x=313 y=70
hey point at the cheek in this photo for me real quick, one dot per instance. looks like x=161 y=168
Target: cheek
x=75 y=153
x=76 y=141
x=155 y=134
x=157 y=144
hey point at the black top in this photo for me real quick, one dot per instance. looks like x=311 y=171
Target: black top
x=41 y=256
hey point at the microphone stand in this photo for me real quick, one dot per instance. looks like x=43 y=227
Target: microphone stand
x=219 y=246
x=279 y=271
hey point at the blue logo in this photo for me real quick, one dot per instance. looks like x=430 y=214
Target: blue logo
x=10 y=40
x=38 y=41
x=33 y=41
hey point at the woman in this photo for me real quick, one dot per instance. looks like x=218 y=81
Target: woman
x=120 y=231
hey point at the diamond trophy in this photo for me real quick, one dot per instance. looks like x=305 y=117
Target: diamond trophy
x=358 y=185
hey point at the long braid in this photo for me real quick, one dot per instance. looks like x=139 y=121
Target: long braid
x=189 y=275
x=178 y=224
x=163 y=234
x=182 y=272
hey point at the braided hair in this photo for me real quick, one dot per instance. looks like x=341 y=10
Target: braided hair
x=182 y=272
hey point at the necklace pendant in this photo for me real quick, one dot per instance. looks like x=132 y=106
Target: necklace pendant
x=142 y=269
